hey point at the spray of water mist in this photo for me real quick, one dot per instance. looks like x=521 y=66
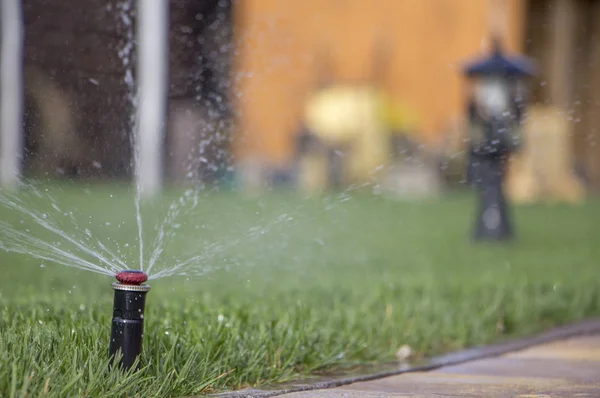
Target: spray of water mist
x=60 y=238
x=17 y=241
x=126 y=54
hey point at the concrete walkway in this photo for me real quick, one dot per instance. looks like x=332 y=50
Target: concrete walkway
x=569 y=368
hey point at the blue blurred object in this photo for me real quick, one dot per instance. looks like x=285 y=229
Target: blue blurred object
x=500 y=64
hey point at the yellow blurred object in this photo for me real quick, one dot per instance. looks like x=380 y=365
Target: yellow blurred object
x=397 y=116
x=350 y=116
x=542 y=170
x=338 y=113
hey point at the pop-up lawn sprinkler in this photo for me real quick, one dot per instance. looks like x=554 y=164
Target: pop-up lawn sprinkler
x=128 y=316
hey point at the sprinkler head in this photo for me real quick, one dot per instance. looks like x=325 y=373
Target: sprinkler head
x=128 y=316
x=131 y=277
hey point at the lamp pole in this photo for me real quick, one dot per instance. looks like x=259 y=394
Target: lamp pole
x=11 y=93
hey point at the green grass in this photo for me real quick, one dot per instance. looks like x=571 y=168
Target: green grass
x=333 y=283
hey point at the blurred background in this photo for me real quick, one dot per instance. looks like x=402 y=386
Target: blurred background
x=322 y=113
x=312 y=94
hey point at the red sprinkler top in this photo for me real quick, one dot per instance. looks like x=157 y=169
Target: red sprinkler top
x=131 y=277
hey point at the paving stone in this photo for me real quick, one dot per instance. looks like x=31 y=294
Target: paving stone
x=457 y=384
x=573 y=391
x=340 y=393
x=569 y=368
x=584 y=349
x=573 y=371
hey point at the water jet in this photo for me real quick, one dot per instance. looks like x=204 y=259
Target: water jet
x=127 y=329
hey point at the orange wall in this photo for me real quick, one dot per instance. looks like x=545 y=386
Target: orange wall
x=279 y=60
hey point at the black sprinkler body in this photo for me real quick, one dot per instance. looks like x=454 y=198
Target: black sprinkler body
x=127 y=329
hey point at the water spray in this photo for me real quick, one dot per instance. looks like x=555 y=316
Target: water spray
x=128 y=316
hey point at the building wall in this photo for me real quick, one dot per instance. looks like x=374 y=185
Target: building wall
x=286 y=48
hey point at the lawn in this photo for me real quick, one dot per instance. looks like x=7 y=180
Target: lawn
x=291 y=286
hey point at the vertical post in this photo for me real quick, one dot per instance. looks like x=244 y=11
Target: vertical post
x=152 y=74
x=11 y=94
x=592 y=141
x=561 y=79
x=507 y=21
x=498 y=22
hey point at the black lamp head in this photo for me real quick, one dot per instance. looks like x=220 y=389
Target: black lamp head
x=500 y=64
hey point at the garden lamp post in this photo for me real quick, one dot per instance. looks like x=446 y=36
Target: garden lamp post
x=495 y=112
